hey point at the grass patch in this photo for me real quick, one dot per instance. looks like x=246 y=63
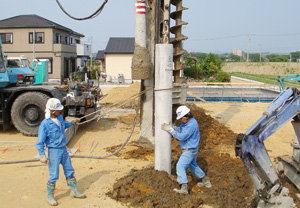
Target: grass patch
x=264 y=78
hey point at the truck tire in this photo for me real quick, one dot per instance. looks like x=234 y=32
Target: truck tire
x=28 y=111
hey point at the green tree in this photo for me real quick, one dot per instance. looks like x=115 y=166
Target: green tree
x=236 y=58
x=210 y=66
x=199 y=56
x=222 y=77
x=93 y=74
x=295 y=56
x=277 y=58
x=282 y=59
x=189 y=71
x=223 y=58
x=254 y=57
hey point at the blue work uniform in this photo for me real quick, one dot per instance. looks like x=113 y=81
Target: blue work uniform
x=189 y=137
x=53 y=136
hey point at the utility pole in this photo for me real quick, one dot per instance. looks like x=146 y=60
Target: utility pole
x=91 y=57
x=33 y=44
x=143 y=65
x=259 y=53
x=248 y=48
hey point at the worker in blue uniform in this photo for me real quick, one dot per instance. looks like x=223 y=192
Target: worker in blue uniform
x=52 y=135
x=188 y=135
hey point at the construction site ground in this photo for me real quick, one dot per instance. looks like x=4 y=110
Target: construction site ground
x=128 y=178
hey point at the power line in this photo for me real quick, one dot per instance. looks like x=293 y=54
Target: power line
x=235 y=36
x=295 y=34
x=95 y=14
x=219 y=38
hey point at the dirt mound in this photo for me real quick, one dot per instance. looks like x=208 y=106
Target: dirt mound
x=122 y=97
x=150 y=188
x=132 y=151
x=213 y=134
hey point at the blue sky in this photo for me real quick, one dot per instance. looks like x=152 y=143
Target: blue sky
x=214 y=25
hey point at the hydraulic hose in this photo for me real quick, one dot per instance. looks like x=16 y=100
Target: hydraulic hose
x=123 y=145
x=19 y=161
x=95 y=157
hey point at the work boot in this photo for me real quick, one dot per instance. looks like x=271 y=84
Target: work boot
x=205 y=183
x=73 y=186
x=183 y=190
x=50 y=192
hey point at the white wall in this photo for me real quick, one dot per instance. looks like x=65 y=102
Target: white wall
x=84 y=50
x=118 y=64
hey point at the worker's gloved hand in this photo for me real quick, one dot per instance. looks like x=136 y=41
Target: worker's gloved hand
x=76 y=121
x=167 y=127
x=43 y=159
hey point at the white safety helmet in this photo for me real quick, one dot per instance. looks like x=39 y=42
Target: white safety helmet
x=182 y=111
x=54 y=104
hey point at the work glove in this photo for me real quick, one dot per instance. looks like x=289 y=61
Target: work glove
x=76 y=121
x=43 y=159
x=167 y=127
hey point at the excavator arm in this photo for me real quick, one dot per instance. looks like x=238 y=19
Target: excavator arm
x=290 y=77
x=251 y=149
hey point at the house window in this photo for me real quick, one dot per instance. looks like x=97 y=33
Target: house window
x=58 y=38
x=67 y=40
x=39 y=37
x=6 y=38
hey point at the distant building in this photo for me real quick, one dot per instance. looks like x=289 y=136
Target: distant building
x=100 y=58
x=84 y=52
x=118 y=57
x=36 y=37
x=239 y=52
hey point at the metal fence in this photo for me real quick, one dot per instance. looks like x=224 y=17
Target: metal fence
x=218 y=92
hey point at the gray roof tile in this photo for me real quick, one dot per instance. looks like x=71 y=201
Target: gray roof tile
x=120 y=46
x=100 y=55
x=33 y=21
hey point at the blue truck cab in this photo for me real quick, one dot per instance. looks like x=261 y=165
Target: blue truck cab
x=6 y=78
x=21 y=67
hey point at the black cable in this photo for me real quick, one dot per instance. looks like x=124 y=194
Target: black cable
x=95 y=157
x=95 y=14
x=19 y=161
x=123 y=145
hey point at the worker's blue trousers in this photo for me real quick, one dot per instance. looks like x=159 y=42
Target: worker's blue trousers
x=188 y=159
x=58 y=156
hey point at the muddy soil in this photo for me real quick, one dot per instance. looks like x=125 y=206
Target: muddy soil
x=231 y=184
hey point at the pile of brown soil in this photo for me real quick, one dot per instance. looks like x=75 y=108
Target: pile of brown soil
x=122 y=97
x=213 y=134
x=150 y=188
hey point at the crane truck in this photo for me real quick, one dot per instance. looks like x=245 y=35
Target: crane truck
x=23 y=105
x=251 y=149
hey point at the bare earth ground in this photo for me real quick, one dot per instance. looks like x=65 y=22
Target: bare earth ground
x=128 y=179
